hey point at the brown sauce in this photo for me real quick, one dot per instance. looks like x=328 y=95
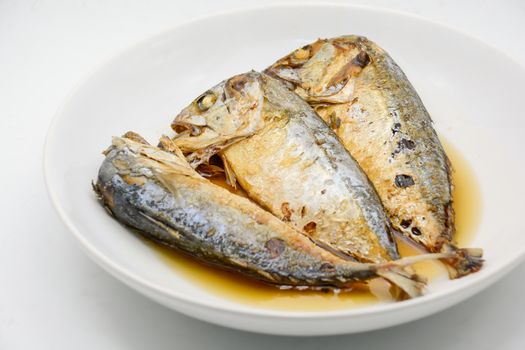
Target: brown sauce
x=233 y=286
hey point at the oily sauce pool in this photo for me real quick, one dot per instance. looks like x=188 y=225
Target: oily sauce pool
x=233 y=286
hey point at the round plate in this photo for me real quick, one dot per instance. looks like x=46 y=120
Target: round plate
x=473 y=92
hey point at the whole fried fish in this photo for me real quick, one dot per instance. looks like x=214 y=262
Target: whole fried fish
x=364 y=96
x=290 y=162
x=162 y=197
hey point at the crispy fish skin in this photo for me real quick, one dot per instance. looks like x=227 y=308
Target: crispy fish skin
x=358 y=89
x=161 y=196
x=290 y=162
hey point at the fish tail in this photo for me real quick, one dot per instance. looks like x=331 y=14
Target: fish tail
x=403 y=278
x=405 y=282
x=463 y=261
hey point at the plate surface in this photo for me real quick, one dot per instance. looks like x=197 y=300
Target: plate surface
x=473 y=92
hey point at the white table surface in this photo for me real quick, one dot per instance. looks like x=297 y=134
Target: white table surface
x=53 y=297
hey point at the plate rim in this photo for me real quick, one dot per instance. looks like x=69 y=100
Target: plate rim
x=137 y=282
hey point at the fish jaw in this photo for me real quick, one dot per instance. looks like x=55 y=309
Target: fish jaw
x=228 y=112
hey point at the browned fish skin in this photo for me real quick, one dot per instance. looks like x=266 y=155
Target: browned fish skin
x=159 y=194
x=359 y=91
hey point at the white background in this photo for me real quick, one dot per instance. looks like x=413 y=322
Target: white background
x=53 y=297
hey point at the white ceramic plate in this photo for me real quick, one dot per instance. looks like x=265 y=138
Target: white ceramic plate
x=473 y=92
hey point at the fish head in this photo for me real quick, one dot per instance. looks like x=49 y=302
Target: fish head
x=227 y=112
x=324 y=71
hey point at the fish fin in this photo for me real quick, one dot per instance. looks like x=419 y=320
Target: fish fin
x=131 y=135
x=167 y=156
x=97 y=190
x=167 y=144
x=464 y=261
x=103 y=199
x=169 y=181
x=405 y=283
x=231 y=178
x=403 y=278
x=167 y=230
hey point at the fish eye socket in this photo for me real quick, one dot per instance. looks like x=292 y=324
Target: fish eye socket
x=301 y=55
x=205 y=101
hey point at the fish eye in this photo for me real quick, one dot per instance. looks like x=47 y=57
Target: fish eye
x=206 y=100
x=300 y=56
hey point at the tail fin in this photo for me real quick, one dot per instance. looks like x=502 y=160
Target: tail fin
x=402 y=277
x=406 y=282
x=464 y=261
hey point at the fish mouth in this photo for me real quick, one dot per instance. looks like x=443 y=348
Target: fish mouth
x=190 y=137
x=186 y=129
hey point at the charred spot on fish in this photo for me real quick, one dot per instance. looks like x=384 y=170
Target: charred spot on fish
x=275 y=247
x=406 y=144
x=405 y=223
x=286 y=211
x=335 y=121
x=416 y=231
x=303 y=211
x=205 y=101
x=323 y=191
x=310 y=227
x=327 y=267
x=403 y=181
x=396 y=128
x=361 y=60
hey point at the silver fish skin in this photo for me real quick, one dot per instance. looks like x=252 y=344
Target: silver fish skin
x=161 y=196
x=358 y=89
x=290 y=162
